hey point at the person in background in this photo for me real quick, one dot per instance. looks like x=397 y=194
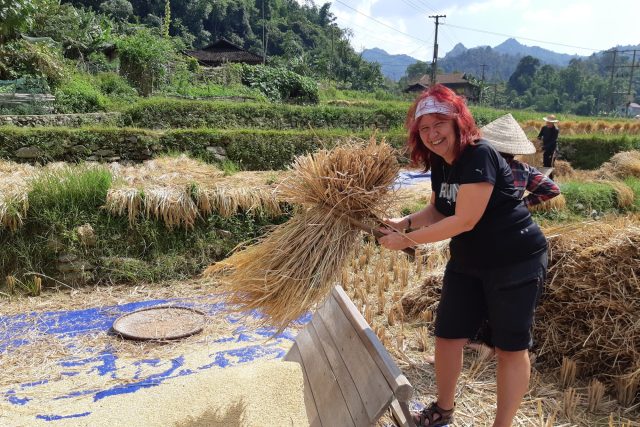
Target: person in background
x=506 y=136
x=549 y=137
x=498 y=257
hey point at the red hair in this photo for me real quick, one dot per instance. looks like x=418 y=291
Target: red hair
x=464 y=124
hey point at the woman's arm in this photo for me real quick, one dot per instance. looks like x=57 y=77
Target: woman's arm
x=422 y=218
x=471 y=203
x=540 y=188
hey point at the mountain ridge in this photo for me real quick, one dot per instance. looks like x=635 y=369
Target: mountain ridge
x=504 y=56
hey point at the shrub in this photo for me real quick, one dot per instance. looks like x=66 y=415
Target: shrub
x=112 y=84
x=21 y=58
x=591 y=151
x=171 y=113
x=78 y=95
x=144 y=57
x=280 y=84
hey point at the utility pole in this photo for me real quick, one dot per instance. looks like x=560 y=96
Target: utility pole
x=629 y=96
x=264 y=43
x=633 y=66
x=434 y=62
x=613 y=67
x=481 y=83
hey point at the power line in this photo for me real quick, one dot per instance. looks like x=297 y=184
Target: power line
x=380 y=22
x=415 y=6
x=422 y=2
x=523 y=38
x=371 y=33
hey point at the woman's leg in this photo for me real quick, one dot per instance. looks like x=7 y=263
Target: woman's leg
x=513 y=382
x=448 y=365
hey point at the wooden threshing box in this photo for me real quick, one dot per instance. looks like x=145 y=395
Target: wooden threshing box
x=350 y=378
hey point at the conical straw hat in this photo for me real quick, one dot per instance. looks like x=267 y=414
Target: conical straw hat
x=506 y=136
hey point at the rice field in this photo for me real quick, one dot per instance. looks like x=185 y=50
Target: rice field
x=175 y=190
x=586 y=370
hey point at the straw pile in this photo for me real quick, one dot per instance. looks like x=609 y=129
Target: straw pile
x=622 y=165
x=13 y=193
x=176 y=190
x=590 y=310
x=558 y=203
x=562 y=168
x=293 y=267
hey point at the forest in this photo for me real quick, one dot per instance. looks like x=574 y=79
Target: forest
x=40 y=36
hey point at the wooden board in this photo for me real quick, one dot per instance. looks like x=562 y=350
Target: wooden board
x=371 y=384
x=293 y=355
x=401 y=413
x=350 y=378
x=397 y=381
x=343 y=374
x=327 y=395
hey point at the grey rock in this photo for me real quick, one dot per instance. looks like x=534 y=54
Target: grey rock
x=105 y=153
x=28 y=152
x=217 y=150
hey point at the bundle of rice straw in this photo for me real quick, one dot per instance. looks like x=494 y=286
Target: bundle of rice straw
x=590 y=310
x=562 y=168
x=176 y=190
x=622 y=165
x=293 y=267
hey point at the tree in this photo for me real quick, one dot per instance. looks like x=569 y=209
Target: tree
x=15 y=17
x=120 y=10
x=417 y=70
x=166 y=21
x=144 y=58
x=522 y=77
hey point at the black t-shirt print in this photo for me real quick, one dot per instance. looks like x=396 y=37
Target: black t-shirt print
x=505 y=233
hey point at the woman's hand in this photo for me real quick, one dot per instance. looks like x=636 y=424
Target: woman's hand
x=394 y=240
x=397 y=223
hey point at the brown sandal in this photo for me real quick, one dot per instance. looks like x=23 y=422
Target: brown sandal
x=433 y=416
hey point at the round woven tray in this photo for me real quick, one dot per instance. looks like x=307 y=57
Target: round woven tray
x=160 y=323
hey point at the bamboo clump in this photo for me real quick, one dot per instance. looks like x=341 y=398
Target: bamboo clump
x=288 y=271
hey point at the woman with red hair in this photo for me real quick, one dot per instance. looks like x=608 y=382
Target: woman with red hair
x=498 y=257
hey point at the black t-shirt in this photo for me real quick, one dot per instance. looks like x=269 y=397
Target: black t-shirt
x=549 y=136
x=505 y=233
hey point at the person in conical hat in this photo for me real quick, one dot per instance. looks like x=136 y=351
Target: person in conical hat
x=508 y=138
x=549 y=137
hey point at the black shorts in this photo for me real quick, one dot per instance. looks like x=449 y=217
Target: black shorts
x=505 y=297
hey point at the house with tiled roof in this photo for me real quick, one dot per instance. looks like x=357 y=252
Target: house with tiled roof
x=222 y=52
x=458 y=82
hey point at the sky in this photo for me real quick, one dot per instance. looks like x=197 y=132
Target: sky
x=579 y=27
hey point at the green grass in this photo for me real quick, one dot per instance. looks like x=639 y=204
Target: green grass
x=208 y=90
x=145 y=251
x=585 y=197
x=634 y=184
x=229 y=167
x=61 y=196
